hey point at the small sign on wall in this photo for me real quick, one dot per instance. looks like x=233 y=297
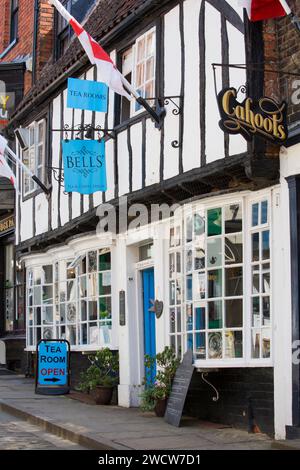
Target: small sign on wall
x=86 y=94
x=84 y=166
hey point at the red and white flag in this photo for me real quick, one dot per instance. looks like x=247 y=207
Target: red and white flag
x=5 y=170
x=108 y=72
x=265 y=9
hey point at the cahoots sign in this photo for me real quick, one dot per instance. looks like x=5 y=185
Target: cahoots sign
x=264 y=117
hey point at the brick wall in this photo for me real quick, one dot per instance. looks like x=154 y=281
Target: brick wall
x=246 y=398
x=289 y=60
x=24 y=45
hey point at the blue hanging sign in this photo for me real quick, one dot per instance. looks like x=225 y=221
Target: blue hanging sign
x=84 y=166
x=86 y=94
x=52 y=370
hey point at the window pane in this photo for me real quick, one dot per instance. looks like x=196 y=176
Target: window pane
x=92 y=261
x=199 y=259
x=233 y=218
x=189 y=287
x=71 y=313
x=215 y=315
x=233 y=344
x=214 y=283
x=256 y=344
x=215 y=345
x=150 y=44
x=105 y=261
x=172 y=293
x=48 y=274
x=233 y=282
x=199 y=225
x=179 y=320
x=189 y=229
x=190 y=341
x=214 y=252
x=189 y=317
x=150 y=69
x=140 y=75
x=255 y=312
x=214 y=222
x=200 y=318
x=264 y=212
x=266 y=311
x=266 y=244
x=105 y=283
x=83 y=333
x=255 y=279
x=234 y=313
x=92 y=306
x=266 y=278
x=83 y=310
x=105 y=308
x=255 y=247
x=255 y=208
x=266 y=342
x=200 y=346
x=141 y=50
x=172 y=320
x=199 y=286
x=189 y=261
x=234 y=249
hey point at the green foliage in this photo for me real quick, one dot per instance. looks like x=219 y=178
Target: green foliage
x=103 y=371
x=167 y=364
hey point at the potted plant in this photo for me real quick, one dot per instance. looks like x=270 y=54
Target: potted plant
x=155 y=396
x=101 y=377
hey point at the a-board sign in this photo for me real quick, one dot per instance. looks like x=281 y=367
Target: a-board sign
x=52 y=367
x=179 y=390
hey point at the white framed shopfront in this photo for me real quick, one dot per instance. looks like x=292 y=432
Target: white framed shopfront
x=73 y=251
x=247 y=199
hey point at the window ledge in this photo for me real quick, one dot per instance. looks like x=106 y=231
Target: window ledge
x=9 y=48
x=202 y=366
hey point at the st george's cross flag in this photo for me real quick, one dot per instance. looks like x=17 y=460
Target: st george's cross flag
x=265 y=9
x=5 y=170
x=108 y=73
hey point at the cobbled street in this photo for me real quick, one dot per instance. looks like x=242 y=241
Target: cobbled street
x=16 y=434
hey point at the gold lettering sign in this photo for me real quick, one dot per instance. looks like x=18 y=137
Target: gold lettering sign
x=7 y=224
x=264 y=117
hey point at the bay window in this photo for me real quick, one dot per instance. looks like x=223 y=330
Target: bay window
x=71 y=300
x=214 y=309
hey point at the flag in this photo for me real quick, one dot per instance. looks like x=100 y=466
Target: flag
x=5 y=170
x=108 y=72
x=265 y=9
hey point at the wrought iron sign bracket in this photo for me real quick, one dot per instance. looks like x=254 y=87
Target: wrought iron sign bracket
x=58 y=175
x=162 y=103
x=86 y=130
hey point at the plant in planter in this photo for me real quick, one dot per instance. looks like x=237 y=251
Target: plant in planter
x=101 y=377
x=155 y=396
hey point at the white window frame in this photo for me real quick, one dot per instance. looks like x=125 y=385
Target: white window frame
x=247 y=201
x=32 y=152
x=134 y=49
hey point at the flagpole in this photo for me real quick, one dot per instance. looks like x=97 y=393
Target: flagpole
x=35 y=178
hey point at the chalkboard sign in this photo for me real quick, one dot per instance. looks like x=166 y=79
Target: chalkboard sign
x=179 y=390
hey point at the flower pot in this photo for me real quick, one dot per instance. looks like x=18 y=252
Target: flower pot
x=160 y=407
x=103 y=395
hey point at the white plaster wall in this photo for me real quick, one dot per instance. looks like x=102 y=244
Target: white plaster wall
x=152 y=153
x=191 y=140
x=26 y=220
x=172 y=59
x=123 y=163
x=41 y=213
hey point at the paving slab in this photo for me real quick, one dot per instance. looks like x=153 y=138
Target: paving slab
x=116 y=428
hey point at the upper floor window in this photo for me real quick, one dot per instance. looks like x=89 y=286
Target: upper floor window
x=34 y=155
x=14 y=14
x=78 y=9
x=138 y=67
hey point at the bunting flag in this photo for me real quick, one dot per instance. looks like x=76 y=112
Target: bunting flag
x=108 y=73
x=265 y=9
x=5 y=170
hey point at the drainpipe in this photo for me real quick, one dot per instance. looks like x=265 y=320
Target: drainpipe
x=35 y=36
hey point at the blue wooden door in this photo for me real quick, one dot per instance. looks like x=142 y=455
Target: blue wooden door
x=149 y=322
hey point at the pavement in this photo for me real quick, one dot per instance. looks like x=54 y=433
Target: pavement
x=116 y=428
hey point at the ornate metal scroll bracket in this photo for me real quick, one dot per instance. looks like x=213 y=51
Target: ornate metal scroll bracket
x=87 y=131
x=58 y=175
x=162 y=105
x=215 y=398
